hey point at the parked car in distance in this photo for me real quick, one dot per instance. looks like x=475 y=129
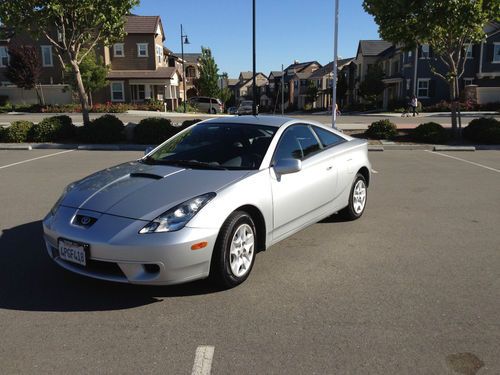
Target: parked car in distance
x=208 y=199
x=245 y=108
x=206 y=104
x=232 y=111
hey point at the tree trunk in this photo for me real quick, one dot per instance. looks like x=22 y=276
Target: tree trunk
x=81 y=92
x=453 y=109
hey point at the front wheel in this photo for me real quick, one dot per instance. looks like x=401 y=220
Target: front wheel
x=234 y=252
x=357 y=199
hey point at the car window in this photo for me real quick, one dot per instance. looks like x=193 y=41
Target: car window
x=327 y=138
x=214 y=101
x=204 y=100
x=297 y=142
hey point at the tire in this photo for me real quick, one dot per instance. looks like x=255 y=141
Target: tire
x=357 y=199
x=231 y=264
x=213 y=111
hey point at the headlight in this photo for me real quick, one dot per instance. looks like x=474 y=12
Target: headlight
x=54 y=208
x=177 y=217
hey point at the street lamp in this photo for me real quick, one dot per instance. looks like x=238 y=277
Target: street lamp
x=184 y=40
x=335 y=58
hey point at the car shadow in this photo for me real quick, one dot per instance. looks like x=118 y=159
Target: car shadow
x=31 y=281
x=335 y=218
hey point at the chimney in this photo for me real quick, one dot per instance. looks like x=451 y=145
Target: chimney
x=296 y=61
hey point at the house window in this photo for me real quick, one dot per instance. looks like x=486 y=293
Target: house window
x=423 y=88
x=117 y=92
x=118 y=50
x=295 y=84
x=303 y=82
x=425 y=51
x=159 y=54
x=468 y=81
x=47 y=56
x=190 y=72
x=496 y=53
x=468 y=51
x=142 y=50
x=4 y=56
x=319 y=83
x=408 y=84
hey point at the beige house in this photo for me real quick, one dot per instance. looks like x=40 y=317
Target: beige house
x=243 y=89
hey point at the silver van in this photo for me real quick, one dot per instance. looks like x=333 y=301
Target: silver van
x=206 y=104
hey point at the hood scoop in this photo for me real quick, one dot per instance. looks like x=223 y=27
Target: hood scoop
x=146 y=175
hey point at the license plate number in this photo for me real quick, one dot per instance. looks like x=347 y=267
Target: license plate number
x=72 y=252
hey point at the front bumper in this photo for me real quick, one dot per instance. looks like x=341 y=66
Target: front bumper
x=117 y=252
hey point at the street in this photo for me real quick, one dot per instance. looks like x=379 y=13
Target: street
x=345 y=122
x=411 y=287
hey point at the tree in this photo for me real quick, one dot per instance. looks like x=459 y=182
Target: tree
x=72 y=27
x=207 y=83
x=24 y=68
x=372 y=86
x=93 y=72
x=311 y=92
x=448 y=26
x=342 y=88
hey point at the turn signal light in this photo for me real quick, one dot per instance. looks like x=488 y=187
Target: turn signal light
x=199 y=245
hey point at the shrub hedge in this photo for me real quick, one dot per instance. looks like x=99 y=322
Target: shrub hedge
x=18 y=132
x=382 y=129
x=105 y=129
x=188 y=123
x=429 y=132
x=154 y=130
x=483 y=130
x=52 y=129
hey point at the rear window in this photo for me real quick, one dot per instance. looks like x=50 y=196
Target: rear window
x=327 y=138
x=204 y=100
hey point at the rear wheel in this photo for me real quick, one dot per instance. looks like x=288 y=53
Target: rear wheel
x=357 y=199
x=234 y=252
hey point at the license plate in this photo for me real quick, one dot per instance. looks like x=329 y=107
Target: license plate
x=73 y=252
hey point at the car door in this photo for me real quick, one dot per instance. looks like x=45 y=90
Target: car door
x=300 y=197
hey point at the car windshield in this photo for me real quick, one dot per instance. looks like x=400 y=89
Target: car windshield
x=216 y=146
x=246 y=103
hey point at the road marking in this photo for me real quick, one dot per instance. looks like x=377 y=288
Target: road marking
x=374 y=171
x=203 y=360
x=465 y=161
x=40 y=157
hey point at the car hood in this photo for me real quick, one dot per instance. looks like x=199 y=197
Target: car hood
x=140 y=191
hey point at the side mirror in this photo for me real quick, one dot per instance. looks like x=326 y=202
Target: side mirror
x=287 y=166
x=148 y=150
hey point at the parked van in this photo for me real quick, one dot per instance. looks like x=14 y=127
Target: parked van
x=206 y=104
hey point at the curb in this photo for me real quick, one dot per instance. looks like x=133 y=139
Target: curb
x=454 y=148
x=376 y=148
x=7 y=146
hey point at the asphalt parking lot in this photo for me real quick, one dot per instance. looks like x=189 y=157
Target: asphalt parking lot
x=410 y=288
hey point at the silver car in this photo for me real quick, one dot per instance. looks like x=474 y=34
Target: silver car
x=204 y=202
x=246 y=108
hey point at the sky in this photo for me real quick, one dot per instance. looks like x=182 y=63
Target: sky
x=286 y=30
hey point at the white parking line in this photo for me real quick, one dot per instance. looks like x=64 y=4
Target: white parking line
x=40 y=157
x=203 y=360
x=465 y=161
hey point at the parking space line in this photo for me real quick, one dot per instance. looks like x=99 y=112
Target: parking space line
x=40 y=157
x=203 y=360
x=465 y=161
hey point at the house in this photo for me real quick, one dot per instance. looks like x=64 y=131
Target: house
x=275 y=88
x=244 y=88
x=192 y=67
x=295 y=78
x=408 y=73
x=323 y=78
x=140 y=69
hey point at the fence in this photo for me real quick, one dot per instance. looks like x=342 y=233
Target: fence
x=51 y=94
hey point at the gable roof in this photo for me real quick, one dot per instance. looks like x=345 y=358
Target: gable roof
x=192 y=58
x=373 y=47
x=297 y=67
x=247 y=75
x=276 y=74
x=232 y=81
x=141 y=24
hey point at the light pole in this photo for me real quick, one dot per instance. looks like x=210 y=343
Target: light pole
x=184 y=40
x=335 y=58
x=254 y=101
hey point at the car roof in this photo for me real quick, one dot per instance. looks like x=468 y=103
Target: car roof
x=276 y=121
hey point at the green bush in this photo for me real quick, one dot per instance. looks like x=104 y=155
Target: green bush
x=18 y=132
x=189 y=108
x=51 y=129
x=3 y=100
x=105 y=129
x=188 y=123
x=483 y=130
x=430 y=132
x=154 y=130
x=3 y=132
x=382 y=129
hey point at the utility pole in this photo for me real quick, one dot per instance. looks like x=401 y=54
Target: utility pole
x=282 y=91
x=335 y=58
x=254 y=104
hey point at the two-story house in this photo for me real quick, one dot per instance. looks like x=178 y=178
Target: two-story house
x=139 y=68
x=244 y=88
x=296 y=76
x=408 y=73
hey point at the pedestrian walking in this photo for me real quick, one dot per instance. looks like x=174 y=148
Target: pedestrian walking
x=414 y=105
